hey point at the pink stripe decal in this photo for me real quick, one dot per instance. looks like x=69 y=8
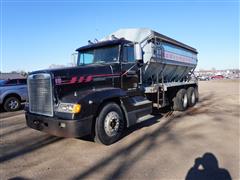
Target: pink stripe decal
x=88 y=79
x=81 y=79
x=104 y=75
x=73 y=80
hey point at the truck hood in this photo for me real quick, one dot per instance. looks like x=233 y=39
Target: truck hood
x=80 y=74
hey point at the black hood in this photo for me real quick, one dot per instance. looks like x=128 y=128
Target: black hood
x=75 y=80
x=79 y=71
x=81 y=75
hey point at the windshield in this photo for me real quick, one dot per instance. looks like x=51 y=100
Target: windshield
x=99 y=55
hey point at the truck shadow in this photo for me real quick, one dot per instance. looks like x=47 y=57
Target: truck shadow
x=147 y=123
x=151 y=121
x=167 y=112
x=10 y=153
x=18 y=178
x=157 y=115
x=207 y=168
x=149 y=140
x=14 y=131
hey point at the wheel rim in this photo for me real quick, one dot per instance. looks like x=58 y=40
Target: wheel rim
x=193 y=98
x=13 y=104
x=185 y=101
x=111 y=123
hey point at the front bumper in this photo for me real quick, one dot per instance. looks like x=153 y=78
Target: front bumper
x=55 y=126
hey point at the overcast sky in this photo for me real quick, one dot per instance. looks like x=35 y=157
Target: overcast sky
x=36 y=34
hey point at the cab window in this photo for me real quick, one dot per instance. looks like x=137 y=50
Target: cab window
x=128 y=53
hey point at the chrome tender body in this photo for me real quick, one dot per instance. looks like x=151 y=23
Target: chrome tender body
x=165 y=59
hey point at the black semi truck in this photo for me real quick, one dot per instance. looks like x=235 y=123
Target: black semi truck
x=116 y=83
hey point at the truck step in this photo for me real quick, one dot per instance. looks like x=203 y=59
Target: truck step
x=142 y=103
x=144 y=118
x=140 y=100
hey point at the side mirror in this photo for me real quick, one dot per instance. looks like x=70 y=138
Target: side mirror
x=138 y=54
x=74 y=57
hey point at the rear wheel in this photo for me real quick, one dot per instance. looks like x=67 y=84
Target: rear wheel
x=109 y=125
x=11 y=104
x=180 y=101
x=191 y=94
x=196 y=93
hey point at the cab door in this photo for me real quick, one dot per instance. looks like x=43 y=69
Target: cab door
x=130 y=74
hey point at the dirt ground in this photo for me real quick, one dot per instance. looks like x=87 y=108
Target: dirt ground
x=164 y=147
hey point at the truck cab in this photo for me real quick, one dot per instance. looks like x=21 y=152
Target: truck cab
x=100 y=96
x=118 y=57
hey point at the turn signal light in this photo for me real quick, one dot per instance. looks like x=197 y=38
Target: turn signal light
x=76 y=108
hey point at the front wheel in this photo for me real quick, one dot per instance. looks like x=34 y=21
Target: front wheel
x=109 y=125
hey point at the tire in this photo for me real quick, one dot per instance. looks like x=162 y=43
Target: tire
x=11 y=104
x=109 y=124
x=191 y=95
x=197 y=93
x=180 y=101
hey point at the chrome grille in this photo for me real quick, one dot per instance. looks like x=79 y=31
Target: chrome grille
x=40 y=94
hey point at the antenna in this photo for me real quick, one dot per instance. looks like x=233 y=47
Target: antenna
x=90 y=42
x=113 y=37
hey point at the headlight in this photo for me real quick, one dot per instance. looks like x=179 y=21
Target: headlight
x=69 y=108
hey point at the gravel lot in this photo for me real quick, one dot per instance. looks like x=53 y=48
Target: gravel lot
x=164 y=147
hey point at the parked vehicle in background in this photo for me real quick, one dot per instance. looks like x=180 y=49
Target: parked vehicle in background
x=117 y=83
x=217 y=77
x=12 y=93
x=203 y=78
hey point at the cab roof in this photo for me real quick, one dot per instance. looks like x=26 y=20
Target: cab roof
x=104 y=43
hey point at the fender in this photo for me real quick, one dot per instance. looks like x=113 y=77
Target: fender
x=104 y=94
x=91 y=100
